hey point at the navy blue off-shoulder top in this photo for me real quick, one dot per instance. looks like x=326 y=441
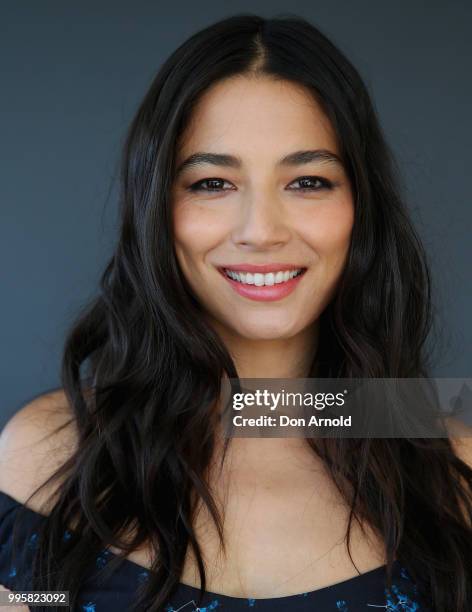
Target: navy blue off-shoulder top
x=364 y=593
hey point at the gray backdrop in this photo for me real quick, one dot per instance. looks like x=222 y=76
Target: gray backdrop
x=72 y=75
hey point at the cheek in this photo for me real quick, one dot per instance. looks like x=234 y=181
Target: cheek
x=328 y=231
x=197 y=230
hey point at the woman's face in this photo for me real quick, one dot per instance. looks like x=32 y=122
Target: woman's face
x=249 y=207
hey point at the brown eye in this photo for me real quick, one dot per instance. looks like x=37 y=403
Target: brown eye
x=213 y=185
x=312 y=183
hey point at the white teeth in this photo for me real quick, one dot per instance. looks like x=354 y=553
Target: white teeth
x=262 y=279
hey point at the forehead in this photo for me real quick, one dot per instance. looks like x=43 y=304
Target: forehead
x=256 y=115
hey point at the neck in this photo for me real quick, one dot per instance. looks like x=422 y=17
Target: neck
x=268 y=459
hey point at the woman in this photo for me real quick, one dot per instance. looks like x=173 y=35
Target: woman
x=256 y=145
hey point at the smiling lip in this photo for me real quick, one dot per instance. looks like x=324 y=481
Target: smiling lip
x=262 y=268
x=264 y=293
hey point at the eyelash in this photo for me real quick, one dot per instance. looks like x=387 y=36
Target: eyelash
x=326 y=184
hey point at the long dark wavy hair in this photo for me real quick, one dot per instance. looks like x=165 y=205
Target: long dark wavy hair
x=142 y=369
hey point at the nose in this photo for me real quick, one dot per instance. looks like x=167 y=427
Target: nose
x=262 y=222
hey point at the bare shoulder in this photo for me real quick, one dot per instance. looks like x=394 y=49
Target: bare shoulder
x=36 y=440
x=460 y=435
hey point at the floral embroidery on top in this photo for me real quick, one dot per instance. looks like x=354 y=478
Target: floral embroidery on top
x=33 y=541
x=212 y=606
x=67 y=535
x=143 y=576
x=102 y=558
x=400 y=602
x=397 y=601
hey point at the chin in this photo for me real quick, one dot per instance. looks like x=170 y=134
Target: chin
x=266 y=332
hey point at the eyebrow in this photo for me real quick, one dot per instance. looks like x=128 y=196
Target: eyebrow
x=231 y=161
